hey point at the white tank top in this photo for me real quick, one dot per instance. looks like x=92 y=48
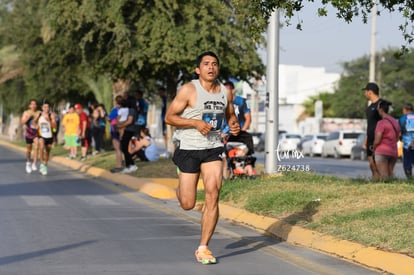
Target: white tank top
x=45 y=129
x=210 y=108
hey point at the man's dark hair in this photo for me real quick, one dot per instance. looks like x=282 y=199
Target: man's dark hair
x=384 y=105
x=32 y=99
x=408 y=106
x=208 y=53
x=229 y=83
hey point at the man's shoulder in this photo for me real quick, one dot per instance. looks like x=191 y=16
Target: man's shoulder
x=187 y=89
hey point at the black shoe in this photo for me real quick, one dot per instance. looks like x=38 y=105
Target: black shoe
x=116 y=170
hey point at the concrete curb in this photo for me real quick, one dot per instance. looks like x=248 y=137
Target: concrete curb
x=151 y=187
x=163 y=188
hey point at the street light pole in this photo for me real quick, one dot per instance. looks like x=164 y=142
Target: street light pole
x=373 y=38
x=272 y=94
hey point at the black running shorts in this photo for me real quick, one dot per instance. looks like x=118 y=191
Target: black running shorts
x=189 y=161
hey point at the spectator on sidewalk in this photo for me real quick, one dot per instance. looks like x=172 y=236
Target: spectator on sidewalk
x=70 y=123
x=387 y=133
x=406 y=122
x=142 y=110
x=98 y=127
x=373 y=97
x=84 y=131
x=129 y=130
x=163 y=95
x=114 y=130
x=143 y=146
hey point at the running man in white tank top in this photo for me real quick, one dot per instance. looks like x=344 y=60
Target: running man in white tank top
x=198 y=111
x=46 y=123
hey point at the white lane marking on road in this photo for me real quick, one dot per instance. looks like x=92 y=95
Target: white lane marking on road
x=96 y=200
x=39 y=200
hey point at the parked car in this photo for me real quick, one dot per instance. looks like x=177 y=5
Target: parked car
x=288 y=142
x=260 y=147
x=339 y=143
x=302 y=140
x=313 y=146
x=357 y=152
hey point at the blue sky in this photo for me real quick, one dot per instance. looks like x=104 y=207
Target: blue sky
x=328 y=41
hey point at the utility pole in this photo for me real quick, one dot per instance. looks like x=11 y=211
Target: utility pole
x=373 y=38
x=272 y=94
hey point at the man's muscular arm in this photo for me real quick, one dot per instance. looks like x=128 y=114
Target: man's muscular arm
x=178 y=105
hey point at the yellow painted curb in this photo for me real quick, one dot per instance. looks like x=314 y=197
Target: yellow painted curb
x=144 y=185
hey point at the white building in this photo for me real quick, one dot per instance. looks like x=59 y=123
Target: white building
x=296 y=84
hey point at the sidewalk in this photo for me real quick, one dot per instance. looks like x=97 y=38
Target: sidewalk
x=163 y=188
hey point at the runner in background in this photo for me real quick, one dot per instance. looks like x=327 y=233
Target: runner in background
x=31 y=135
x=46 y=122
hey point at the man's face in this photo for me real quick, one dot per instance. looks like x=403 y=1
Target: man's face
x=368 y=94
x=208 y=69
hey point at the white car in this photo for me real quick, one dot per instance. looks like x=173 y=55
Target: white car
x=313 y=146
x=339 y=143
x=288 y=142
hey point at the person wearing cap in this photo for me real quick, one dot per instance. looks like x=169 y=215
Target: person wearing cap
x=406 y=122
x=241 y=108
x=84 y=133
x=243 y=114
x=372 y=94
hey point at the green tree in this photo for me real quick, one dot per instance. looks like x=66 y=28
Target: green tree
x=396 y=81
x=157 y=40
x=259 y=12
x=326 y=99
x=139 y=43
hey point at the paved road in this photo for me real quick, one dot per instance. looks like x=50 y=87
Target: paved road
x=70 y=223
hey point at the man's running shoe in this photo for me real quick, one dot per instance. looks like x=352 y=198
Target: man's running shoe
x=34 y=167
x=28 y=167
x=204 y=256
x=43 y=169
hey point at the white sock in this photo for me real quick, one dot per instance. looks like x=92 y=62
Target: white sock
x=202 y=247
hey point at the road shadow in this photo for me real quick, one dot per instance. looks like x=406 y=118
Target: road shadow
x=35 y=254
x=276 y=233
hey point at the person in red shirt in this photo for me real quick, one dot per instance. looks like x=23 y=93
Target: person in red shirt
x=84 y=134
x=387 y=133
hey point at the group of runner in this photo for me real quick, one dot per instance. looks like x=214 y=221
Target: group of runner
x=40 y=126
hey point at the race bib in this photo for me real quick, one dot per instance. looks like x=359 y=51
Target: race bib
x=215 y=120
